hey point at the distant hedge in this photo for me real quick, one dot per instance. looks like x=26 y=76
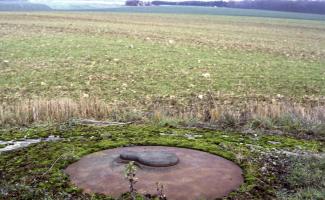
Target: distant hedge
x=317 y=7
x=305 y=6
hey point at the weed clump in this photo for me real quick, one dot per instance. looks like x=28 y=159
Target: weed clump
x=305 y=179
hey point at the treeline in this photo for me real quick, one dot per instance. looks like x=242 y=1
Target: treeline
x=317 y=7
x=21 y=5
x=306 y=6
x=192 y=3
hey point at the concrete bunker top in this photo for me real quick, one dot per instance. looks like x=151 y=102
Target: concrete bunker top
x=186 y=174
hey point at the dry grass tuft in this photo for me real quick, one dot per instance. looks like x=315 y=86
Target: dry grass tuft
x=58 y=110
x=211 y=110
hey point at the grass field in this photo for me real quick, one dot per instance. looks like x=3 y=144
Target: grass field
x=258 y=80
x=133 y=62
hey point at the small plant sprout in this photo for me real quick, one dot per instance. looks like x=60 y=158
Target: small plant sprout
x=160 y=191
x=129 y=173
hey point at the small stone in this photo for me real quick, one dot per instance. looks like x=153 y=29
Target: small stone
x=273 y=142
x=263 y=169
x=206 y=75
x=279 y=96
x=171 y=41
x=189 y=136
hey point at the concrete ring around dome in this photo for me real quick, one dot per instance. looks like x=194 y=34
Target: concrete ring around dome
x=197 y=174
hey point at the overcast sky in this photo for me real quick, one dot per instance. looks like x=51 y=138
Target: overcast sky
x=66 y=4
x=102 y=1
x=57 y=4
x=94 y=1
x=77 y=1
